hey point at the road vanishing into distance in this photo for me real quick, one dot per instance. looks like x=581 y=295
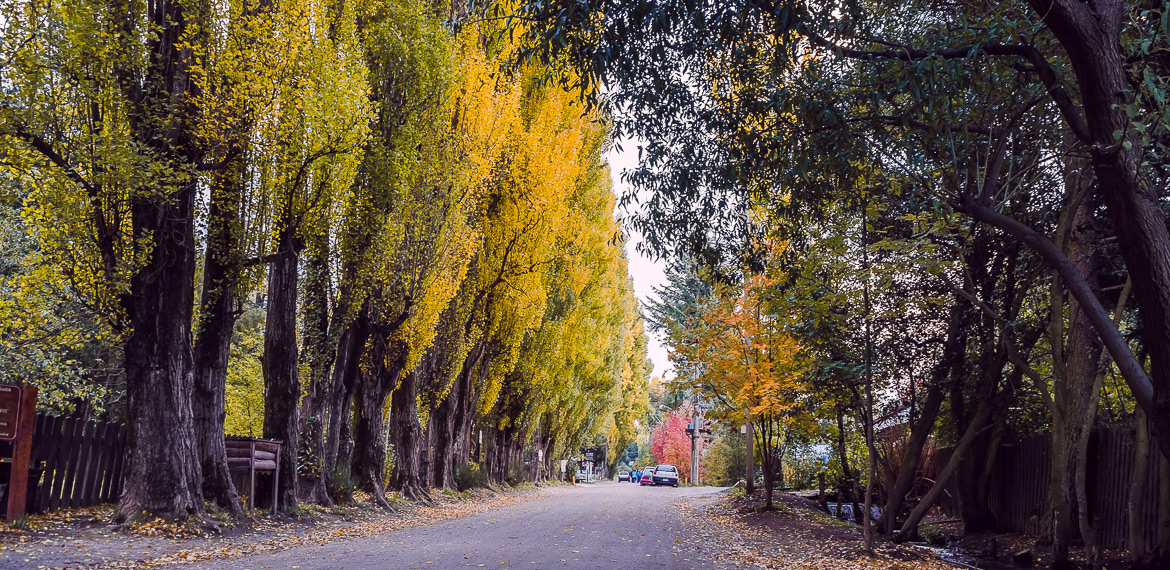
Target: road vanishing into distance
x=605 y=525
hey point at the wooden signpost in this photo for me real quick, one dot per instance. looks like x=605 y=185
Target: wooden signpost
x=18 y=405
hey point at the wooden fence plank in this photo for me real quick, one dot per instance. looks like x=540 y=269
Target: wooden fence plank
x=82 y=471
x=119 y=460
x=80 y=460
x=1020 y=480
x=103 y=488
x=36 y=457
x=68 y=448
x=51 y=434
x=72 y=468
x=95 y=469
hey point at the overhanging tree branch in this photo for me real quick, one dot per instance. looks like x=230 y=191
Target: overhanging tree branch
x=1135 y=376
x=1040 y=66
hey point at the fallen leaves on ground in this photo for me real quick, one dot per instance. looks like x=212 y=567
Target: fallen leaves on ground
x=794 y=536
x=64 y=534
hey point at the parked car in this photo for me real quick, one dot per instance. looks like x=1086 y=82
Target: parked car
x=665 y=475
x=623 y=476
x=647 y=477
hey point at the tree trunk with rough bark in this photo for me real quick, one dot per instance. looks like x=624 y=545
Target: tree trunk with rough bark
x=346 y=368
x=442 y=436
x=281 y=385
x=447 y=424
x=474 y=373
x=318 y=353
x=375 y=382
x=1090 y=33
x=162 y=476
x=1073 y=402
x=406 y=432
x=218 y=309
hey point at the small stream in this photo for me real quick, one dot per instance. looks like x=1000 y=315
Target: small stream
x=961 y=559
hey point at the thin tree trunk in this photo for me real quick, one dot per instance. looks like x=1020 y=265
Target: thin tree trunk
x=867 y=523
x=1136 y=537
x=750 y=457
x=909 y=530
x=920 y=431
x=848 y=484
x=766 y=435
x=922 y=428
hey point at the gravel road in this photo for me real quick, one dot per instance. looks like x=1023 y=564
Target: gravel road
x=601 y=526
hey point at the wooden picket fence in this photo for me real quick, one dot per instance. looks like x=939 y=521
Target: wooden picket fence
x=75 y=463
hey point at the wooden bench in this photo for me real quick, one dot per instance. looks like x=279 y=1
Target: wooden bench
x=251 y=455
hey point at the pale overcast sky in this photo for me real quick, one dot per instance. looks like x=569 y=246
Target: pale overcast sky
x=646 y=273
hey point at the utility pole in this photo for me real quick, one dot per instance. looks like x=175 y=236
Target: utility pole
x=695 y=449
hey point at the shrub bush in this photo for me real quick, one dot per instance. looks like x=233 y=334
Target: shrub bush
x=725 y=460
x=516 y=475
x=341 y=486
x=469 y=476
x=934 y=535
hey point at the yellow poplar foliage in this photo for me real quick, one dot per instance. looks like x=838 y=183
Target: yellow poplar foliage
x=471 y=203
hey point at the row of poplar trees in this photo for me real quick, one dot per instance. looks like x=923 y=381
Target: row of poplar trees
x=433 y=240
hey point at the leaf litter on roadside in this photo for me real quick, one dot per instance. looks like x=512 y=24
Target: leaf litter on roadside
x=175 y=542
x=794 y=536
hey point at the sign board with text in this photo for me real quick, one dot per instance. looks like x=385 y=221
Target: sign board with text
x=18 y=406
x=9 y=411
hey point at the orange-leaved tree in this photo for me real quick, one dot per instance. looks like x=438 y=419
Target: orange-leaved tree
x=748 y=363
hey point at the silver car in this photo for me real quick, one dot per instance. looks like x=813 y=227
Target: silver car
x=666 y=475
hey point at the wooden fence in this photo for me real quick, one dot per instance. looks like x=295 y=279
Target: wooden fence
x=1019 y=486
x=79 y=462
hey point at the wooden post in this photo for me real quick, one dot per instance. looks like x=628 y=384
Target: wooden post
x=252 y=475
x=821 y=491
x=276 y=479
x=21 y=452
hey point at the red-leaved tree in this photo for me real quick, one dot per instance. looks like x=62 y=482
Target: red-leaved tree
x=671 y=443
